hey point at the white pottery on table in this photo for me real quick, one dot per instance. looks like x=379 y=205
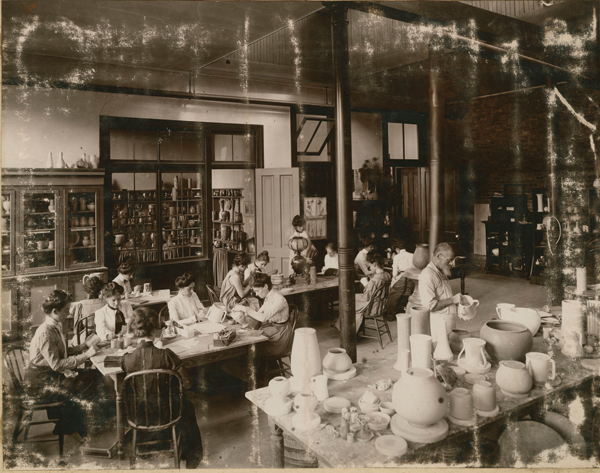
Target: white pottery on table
x=305 y=360
x=319 y=387
x=513 y=378
x=442 y=351
x=468 y=311
x=581 y=280
x=419 y=320
x=461 y=410
x=573 y=346
x=484 y=396
x=573 y=315
x=305 y=417
x=403 y=326
x=337 y=360
x=279 y=404
x=541 y=366
x=528 y=317
x=593 y=318
x=503 y=306
x=420 y=350
x=403 y=362
x=474 y=360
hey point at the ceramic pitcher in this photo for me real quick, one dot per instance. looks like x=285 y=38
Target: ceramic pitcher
x=467 y=309
x=473 y=350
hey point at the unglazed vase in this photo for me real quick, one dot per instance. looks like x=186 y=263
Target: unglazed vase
x=419 y=320
x=419 y=398
x=337 y=360
x=573 y=315
x=421 y=256
x=403 y=326
x=442 y=351
x=306 y=357
x=474 y=356
x=514 y=378
x=456 y=340
x=506 y=340
x=461 y=404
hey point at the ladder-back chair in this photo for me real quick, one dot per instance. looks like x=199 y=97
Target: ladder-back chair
x=374 y=315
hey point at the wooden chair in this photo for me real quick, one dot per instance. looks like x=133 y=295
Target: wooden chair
x=153 y=403
x=374 y=315
x=214 y=294
x=84 y=327
x=15 y=361
x=163 y=316
x=274 y=365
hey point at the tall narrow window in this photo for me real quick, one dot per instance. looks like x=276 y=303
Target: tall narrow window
x=403 y=141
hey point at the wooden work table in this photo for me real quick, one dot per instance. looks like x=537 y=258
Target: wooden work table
x=337 y=453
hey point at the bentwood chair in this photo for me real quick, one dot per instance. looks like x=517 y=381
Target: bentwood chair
x=15 y=361
x=153 y=406
x=214 y=295
x=374 y=315
x=275 y=365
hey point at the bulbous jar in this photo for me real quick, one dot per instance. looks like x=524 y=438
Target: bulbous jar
x=421 y=256
x=506 y=340
x=513 y=377
x=337 y=360
x=419 y=398
x=279 y=387
x=456 y=340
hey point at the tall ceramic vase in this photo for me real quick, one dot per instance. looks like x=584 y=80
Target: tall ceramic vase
x=540 y=202
x=573 y=316
x=419 y=320
x=442 y=351
x=421 y=256
x=403 y=324
x=306 y=357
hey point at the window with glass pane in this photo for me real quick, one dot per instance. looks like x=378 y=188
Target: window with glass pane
x=313 y=138
x=403 y=141
x=82 y=228
x=181 y=146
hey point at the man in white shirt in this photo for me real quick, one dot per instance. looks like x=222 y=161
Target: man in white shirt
x=435 y=291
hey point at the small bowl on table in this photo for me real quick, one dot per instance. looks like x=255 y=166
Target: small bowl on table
x=378 y=420
x=387 y=407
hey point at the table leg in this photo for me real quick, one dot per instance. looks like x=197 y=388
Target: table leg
x=276 y=445
x=252 y=367
x=120 y=424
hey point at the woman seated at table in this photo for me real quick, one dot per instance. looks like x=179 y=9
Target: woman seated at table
x=53 y=376
x=361 y=263
x=261 y=261
x=186 y=305
x=233 y=289
x=379 y=278
x=79 y=310
x=331 y=258
x=272 y=318
x=111 y=320
x=148 y=357
x=125 y=275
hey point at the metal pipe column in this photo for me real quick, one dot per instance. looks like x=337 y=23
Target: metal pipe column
x=343 y=174
x=436 y=164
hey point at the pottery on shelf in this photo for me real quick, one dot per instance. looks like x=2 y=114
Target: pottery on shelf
x=94 y=161
x=60 y=164
x=337 y=360
x=49 y=161
x=419 y=397
x=119 y=238
x=86 y=240
x=421 y=256
x=419 y=320
x=513 y=378
x=455 y=339
x=467 y=309
x=506 y=340
x=528 y=317
x=305 y=359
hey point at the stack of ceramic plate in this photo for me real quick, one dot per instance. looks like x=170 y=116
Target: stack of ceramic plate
x=369 y=402
x=336 y=404
x=277 y=280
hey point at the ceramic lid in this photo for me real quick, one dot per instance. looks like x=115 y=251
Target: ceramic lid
x=391 y=445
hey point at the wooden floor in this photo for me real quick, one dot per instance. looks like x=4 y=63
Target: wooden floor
x=236 y=437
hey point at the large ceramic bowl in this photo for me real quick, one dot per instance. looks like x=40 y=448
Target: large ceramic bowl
x=506 y=340
x=527 y=317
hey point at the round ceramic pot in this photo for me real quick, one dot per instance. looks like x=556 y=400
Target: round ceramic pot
x=419 y=398
x=456 y=340
x=421 y=256
x=279 y=387
x=86 y=241
x=119 y=239
x=306 y=357
x=337 y=360
x=461 y=403
x=513 y=377
x=305 y=403
x=528 y=317
x=506 y=340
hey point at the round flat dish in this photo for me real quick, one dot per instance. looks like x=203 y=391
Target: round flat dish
x=73 y=238
x=391 y=446
x=336 y=404
x=351 y=373
x=472 y=378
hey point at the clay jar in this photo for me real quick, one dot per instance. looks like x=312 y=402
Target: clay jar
x=506 y=340
x=456 y=340
x=419 y=398
x=337 y=360
x=513 y=378
x=461 y=404
x=421 y=256
x=474 y=356
x=279 y=388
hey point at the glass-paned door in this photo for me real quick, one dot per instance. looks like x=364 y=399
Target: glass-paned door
x=40 y=236
x=82 y=223
x=8 y=233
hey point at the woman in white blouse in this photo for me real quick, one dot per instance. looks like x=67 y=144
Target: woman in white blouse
x=186 y=305
x=111 y=320
x=124 y=277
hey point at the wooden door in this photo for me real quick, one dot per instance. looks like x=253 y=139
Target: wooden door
x=414 y=184
x=277 y=202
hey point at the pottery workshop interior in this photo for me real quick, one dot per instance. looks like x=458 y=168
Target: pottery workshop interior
x=302 y=234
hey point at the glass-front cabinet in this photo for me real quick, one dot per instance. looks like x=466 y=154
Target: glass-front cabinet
x=83 y=208
x=38 y=249
x=8 y=234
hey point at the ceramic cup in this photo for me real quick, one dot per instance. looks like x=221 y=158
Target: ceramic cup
x=171 y=211
x=420 y=348
x=461 y=404
x=319 y=387
x=51 y=244
x=539 y=365
x=147 y=287
x=484 y=396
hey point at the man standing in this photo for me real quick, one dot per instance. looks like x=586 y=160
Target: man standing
x=435 y=291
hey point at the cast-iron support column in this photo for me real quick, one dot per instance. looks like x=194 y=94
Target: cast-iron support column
x=436 y=163
x=343 y=174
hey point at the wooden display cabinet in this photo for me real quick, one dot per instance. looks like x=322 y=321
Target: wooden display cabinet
x=8 y=235
x=228 y=223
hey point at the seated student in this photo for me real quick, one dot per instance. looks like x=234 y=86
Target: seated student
x=93 y=287
x=53 y=376
x=261 y=261
x=125 y=275
x=111 y=320
x=234 y=288
x=331 y=258
x=361 y=264
x=148 y=357
x=401 y=287
x=379 y=278
x=186 y=305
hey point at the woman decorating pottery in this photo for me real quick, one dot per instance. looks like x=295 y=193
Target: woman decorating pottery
x=262 y=260
x=233 y=289
x=111 y=320
x=124 y=277
x=148 y=357
x=53 y=375
x=186 y=305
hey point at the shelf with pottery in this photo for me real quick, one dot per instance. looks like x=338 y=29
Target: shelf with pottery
x=228 y=220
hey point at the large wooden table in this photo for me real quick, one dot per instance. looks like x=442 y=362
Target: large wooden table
x=337 y=453
x=195 y=356
x=324 y=283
